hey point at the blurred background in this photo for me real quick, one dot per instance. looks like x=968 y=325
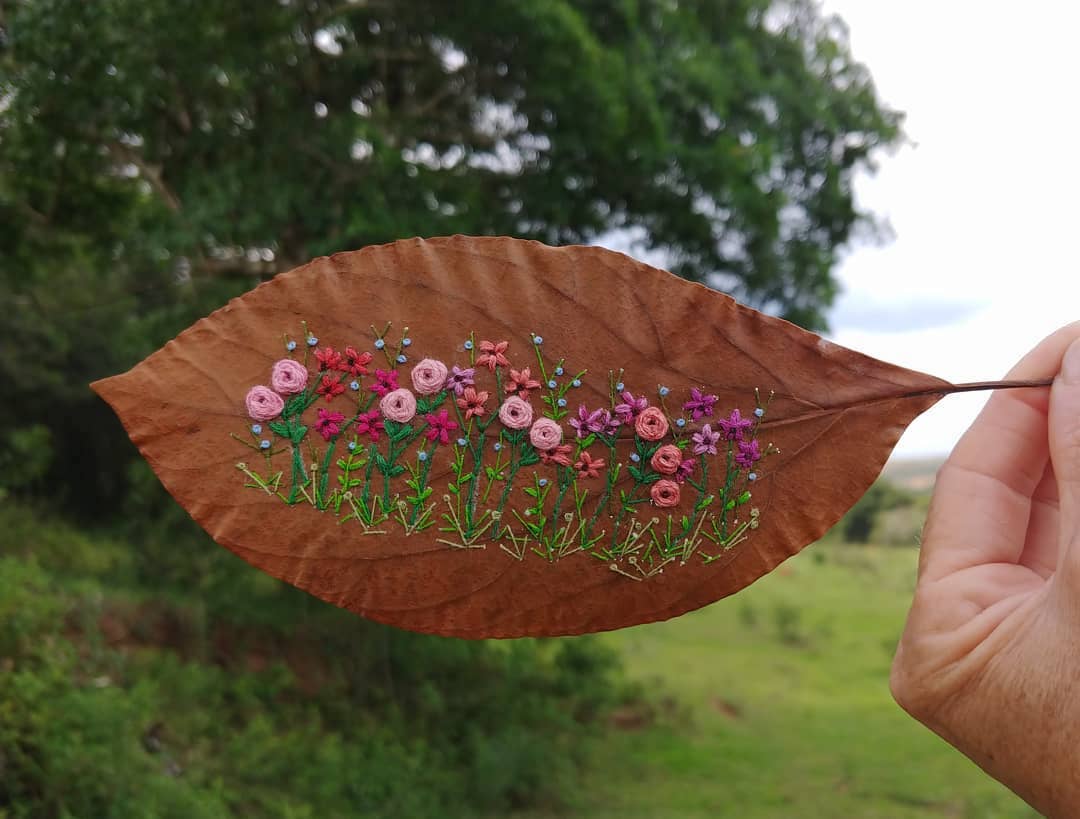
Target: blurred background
x=158 y=157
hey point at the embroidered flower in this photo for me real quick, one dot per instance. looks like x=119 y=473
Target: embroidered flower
x=705 y=440
x=472 y=402
x=521 y=383
x=700 y=404
x=733 y=426
x=460 y=378
x=749 y=454
x=429 y=376
x=355 y=363
x=329 y=358
x=666 y=459
x=686 y=469
x=560 y=455
x=263 y=404
x=588 y=466
x=330 y=387
x=651 y=424
x=545 y=434
x=369 y=423
x=328 y=424
x=665 y=494
x=288 y=377
x=399 y=405
x=515 y=413
x=611 y=423
x=439 y=427
x=587 y=422
x=385 y=382
x=491 y=355
x=631 y=407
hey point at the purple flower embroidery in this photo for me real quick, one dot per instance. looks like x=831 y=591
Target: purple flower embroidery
x=328 y=424
x=700 y=405
x=733 y=427
x=460 y=378
x=749 y=453
x=705 y=440
x=588 y=422
x=631 y=407
x=686 y=469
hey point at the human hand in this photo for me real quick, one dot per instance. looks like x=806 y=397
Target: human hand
x=990 y=655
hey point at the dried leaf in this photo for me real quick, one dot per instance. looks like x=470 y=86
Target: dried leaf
x=545 y=542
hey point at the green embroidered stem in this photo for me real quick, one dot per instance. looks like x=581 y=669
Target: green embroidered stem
x=614 y=470
x=518 y=442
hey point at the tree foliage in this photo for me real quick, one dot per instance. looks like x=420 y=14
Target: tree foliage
x=159 y=156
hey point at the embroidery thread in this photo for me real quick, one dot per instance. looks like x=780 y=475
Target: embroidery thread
x=630 y=484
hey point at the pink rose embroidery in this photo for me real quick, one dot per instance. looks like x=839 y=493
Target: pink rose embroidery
x=263 y=404
x=545 y=434
x=515 y=413
x=399 y=406
x=288 y=377
x=429 y=376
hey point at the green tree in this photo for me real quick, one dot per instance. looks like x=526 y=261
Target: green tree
x=158 y=156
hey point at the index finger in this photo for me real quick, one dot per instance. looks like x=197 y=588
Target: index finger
x=982 y=499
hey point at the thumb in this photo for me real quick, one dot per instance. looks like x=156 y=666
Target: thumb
x=1064 y=439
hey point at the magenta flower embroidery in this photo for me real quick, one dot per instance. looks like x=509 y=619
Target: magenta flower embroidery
x=700 y=405
x=734 y=425
x=589 y=422
x=385 y=382
x=439 y=427
x=631 y=407
x=263 y=404
x=749 y=453
x=369 y=423
x=705 y=440
x=460 y=378
x=328 y=424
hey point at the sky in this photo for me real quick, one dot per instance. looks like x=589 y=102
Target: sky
x=981 y=201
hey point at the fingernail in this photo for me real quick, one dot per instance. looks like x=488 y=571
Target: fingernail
x=1070 y=366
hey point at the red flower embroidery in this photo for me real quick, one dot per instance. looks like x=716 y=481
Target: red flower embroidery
x=329 y=358
x=560 y=455
x=588 y=466
x=491 y=355
x=355 y=362
x=330 y=387
x=472 y=402
x=521 y=382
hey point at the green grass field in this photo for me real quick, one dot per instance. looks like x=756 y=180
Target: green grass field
x=775 y=703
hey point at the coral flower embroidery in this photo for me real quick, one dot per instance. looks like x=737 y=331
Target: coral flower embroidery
x=472 y=402
x=521 y=383
x=492 y=355
x=560 y=455
x=588 y=466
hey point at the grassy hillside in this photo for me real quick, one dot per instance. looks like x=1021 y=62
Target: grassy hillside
x=775 y=704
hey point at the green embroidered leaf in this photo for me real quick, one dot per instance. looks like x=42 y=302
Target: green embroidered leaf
x=298 y=434
x=282 y=430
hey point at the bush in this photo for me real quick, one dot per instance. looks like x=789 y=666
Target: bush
x=121 y=695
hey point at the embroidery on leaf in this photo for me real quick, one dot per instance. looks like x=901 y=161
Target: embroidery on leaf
x=631 y=483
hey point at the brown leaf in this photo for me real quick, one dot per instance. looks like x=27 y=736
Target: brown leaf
x=834 y=416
